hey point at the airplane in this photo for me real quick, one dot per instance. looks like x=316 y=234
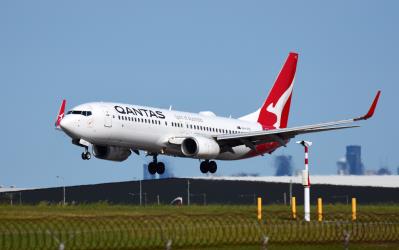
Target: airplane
x=115 y=130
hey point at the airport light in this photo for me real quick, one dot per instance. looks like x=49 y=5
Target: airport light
x=306 y=179
x=319 y=209
x=63 y=188
x=293 y=207
x=259 y=208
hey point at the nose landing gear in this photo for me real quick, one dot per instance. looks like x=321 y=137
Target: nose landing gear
x=208 y=166
x=86 y=154
x=156 y=166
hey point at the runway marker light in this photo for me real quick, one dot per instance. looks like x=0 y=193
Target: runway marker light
x=293 y=207
x=259 y=208
x=319 y=209
x=354 y=209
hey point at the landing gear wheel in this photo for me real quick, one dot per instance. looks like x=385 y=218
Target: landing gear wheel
x=213 y=167
x=152 y=168
x=86 y=155
x=204 y=167
x=160 y=168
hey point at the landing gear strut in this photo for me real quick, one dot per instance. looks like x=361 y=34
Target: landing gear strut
x=156 y=166
x=86 y=154
x=208 y=166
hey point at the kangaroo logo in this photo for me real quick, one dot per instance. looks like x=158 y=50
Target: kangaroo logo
x=277 y=109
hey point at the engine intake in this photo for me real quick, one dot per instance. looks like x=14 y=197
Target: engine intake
x=112 y=153
x=200 y=147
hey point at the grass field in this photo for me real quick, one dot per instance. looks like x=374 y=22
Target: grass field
x=104 y=226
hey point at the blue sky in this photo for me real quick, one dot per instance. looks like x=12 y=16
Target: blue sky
x=195 y=55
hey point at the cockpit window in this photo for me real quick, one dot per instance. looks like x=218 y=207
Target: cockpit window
x=77 y=112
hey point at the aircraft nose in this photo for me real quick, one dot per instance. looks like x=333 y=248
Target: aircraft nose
x=66 y=124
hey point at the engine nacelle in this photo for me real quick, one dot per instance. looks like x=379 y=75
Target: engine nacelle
x=112 y=153
x=200 y=147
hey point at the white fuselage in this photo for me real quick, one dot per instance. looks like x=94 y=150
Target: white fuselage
x=151 y=129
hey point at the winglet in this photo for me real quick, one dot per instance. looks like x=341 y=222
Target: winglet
x=61 y=114
x=370 y=113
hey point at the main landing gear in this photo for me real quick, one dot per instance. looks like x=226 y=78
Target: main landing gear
x=156 y=166
x=86 y=154
x=208 y=166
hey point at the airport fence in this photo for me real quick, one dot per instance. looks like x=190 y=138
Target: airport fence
x=182 y=231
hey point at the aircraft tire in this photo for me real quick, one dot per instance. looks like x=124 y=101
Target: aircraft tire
x=204 y=167
x=160 y=168
x=87 y=156
x=212 y=167
x=152 y=168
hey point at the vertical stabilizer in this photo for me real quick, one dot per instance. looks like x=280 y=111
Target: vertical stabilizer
x=275 y=110
x=61 y=114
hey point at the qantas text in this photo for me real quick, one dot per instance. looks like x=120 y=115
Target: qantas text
x=141 y=112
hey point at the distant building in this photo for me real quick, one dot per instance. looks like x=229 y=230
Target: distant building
x=384 y=171
x=146 y=174
x=354 y=160
x=283 y=165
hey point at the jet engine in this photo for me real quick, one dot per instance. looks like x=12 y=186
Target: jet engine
x=200 y=147
x=112 y=153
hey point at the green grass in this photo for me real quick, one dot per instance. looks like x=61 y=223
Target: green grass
x=104 y=226
x=103 y=209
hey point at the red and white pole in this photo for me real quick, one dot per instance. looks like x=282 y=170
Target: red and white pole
x=307 y=161
x=306 y=180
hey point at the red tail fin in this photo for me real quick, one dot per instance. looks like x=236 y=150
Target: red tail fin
x=274 y=112
x=61 y=114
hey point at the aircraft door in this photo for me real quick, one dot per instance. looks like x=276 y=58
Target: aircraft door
x=107 y=119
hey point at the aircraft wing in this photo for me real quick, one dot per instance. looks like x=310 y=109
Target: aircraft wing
x=282 y=136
